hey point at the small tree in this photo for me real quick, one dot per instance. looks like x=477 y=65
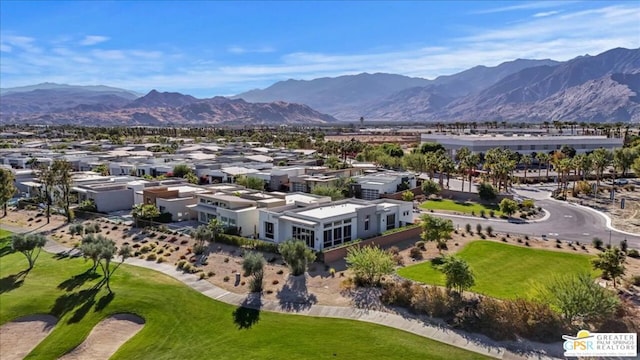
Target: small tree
x=91 y=248
x=297 y=255
x=578 y=297
x=181 y=170
x=489 y=230
x=487 y=192
x=479 y=228
x=369 y=264
x=459 y=275
x=333 y=192
x=145 y=212
x=29 y=245
x=407 y=195
x=611 y=262
x=7 y=187
x=215 y=226
x=253 y=265
x=436 y=229
x=430 y=187
x=250 y=182
x=201 y=234
x=508 y=206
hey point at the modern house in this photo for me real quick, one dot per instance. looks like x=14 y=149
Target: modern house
x=371 y=186
x=174 y=200
x=326 y=225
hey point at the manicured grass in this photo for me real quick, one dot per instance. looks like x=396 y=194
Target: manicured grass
x=184 y=324
x=505 y=271
x=4 y=233
x=461 y=207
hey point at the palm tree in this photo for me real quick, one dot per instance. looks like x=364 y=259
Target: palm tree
x=600 y=159
x=543 y=158
x=583 y=163
x=447 y=166
x=461 y=155
x=470 y=164
x=526 y=161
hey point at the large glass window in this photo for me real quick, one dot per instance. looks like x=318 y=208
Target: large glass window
x=268 y=230
x=306 y=235
x=346 y=233
x=391 y=221
x=328 y=238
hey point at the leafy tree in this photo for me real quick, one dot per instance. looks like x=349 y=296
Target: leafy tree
x=297 y=255
x=369 y=264
x=29 y=245
x=201 y=234
x=215 y=226
x=333 y=162
x=578 y=297
x=430 y=187
x=91 y=248
x=636 y=166
x=458 y=274
x=192 y=178
x=331 y=191
x=508 y=206
x=407 y=195
x=145 y=212
x=181 y=170
x=611 y=262
x=487 y=192
x=250 y=182
x=253 y=265
x=414 y=161
x=430 y=147
x=63 y=182
x=47 y=179
x=102 y=169
x=436 y=229
x=7 y=187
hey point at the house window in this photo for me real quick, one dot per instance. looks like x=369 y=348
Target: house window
x=337 y=236
x=328 y=239
x=268 y=230
x=346 y=233
x=203 y=217
x=391 y=221
x=366 y=223
x=306 y=235
x=162 y=209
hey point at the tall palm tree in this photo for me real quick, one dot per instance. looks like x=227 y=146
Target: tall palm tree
x=460 y=157
x=600 y=158
x=526 y=161
x=543 y=158
x=471 y=164
x=447 y=166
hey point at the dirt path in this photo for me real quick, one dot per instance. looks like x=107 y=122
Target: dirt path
x=107 y=337
x=19 y=337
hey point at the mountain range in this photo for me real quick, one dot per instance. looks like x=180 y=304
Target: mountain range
x=603 y=88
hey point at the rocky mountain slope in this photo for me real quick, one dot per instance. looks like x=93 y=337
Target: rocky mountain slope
x=157 y=108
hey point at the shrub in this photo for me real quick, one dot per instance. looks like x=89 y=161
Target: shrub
x=180 y=264
x=558 y=241
x=202 y=276
x=161 y=259
x=184 y=242
x=483 y=236
x=199 y=249
x=415 y=253
x=226 y=259
x=151 y=257
x=487 y=192
x=211 y=274
x=597 y=243
x=526 y=243
x=503 y=239
x=394 y=250
x=519 y=240
x=275 y=282
x=635 y=280
x=225 y=279
x=420 y=245
x=489 y=230
x=559 y=246
x=633 y=253
x=479 y=228
x=492 y=213
x=280 y=272
x=483 y=213
x=467 y=227
x=473 y=213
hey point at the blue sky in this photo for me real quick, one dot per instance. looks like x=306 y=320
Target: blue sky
x=222 y=48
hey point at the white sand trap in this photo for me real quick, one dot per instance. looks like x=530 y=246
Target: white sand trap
x=106 y=337
x=19 y=337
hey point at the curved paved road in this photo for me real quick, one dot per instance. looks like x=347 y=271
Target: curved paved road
x=566 y=222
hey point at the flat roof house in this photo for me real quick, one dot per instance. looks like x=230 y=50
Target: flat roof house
x=327 y=225
x=371 y=186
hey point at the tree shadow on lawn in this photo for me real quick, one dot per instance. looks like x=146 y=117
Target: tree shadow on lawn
x=78 y=280
x=81 y=301
x=12 y=281
x=6 y=248
x=248 y=313
x=294 y=295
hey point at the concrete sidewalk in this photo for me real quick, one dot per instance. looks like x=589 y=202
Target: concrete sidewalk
x=403 y=321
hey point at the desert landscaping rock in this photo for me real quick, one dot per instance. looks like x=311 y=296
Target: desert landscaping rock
x=19 y=337
x=107 y=337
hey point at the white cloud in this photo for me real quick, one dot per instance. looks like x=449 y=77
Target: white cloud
x=526 y=6
x=546 y=13
x=93 y=40
x=5 y=48
x=245 y=50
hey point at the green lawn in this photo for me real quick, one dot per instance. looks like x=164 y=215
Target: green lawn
x=461 y=207
x=505 y=271
x=4 y=233
x=184 y=324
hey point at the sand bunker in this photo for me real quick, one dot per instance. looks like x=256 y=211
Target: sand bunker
x=106 y=337
x=19 y=337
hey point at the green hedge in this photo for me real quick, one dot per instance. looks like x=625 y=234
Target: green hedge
x=240 y=241
x=403 y=228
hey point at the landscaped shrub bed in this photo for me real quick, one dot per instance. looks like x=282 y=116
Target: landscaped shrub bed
x=498 y=319
x=239 y=241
